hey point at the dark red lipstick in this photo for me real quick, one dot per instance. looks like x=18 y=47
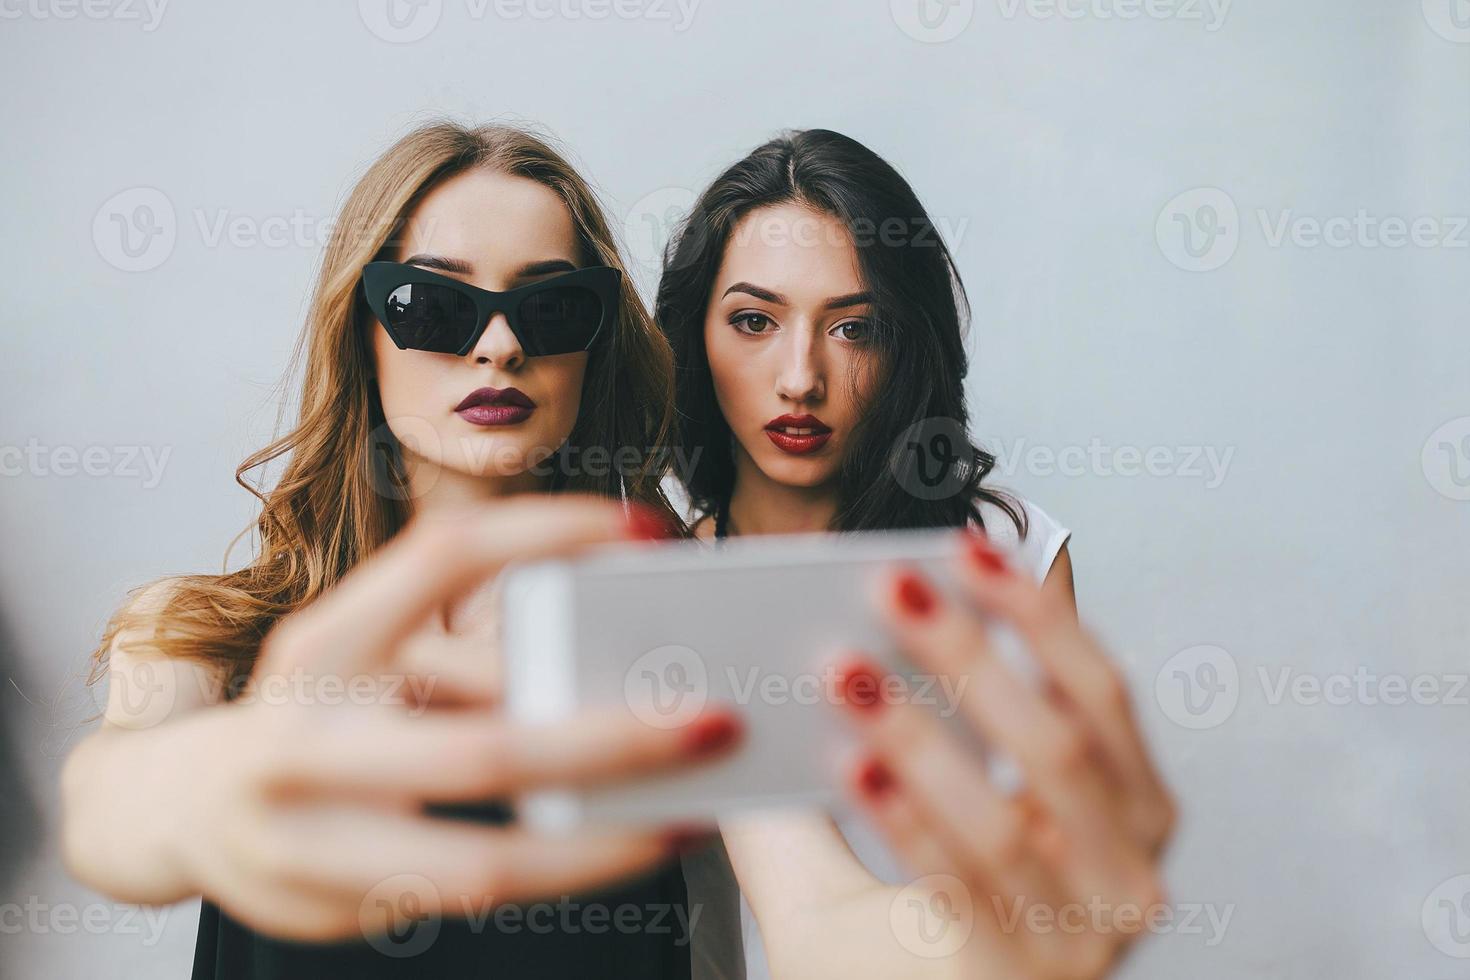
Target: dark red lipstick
x=495 y=406
x=798 y=434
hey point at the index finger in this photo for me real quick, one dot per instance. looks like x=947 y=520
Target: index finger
x=358 y=624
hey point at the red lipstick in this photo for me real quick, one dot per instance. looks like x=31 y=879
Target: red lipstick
x=495 y=406
x=798 y=434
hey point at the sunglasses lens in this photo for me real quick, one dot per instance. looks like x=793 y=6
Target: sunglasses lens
x=431 y=317
x=558 y=320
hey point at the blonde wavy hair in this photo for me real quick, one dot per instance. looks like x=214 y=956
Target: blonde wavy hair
x=342 y=493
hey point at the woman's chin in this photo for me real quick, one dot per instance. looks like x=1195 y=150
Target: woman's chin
x=499 y=462
x=796 y=471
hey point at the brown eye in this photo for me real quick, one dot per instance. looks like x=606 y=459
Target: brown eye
x=751 y=323
x=855 y=331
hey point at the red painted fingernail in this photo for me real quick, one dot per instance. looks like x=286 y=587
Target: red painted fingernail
x=647 y=524
x=861 y=686
x=875 y=779
x=985 y=557
x=914 y=595
x=711 y=735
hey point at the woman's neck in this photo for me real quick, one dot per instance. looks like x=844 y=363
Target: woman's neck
x=439 y=492
x=433 y=489
x=760 y=505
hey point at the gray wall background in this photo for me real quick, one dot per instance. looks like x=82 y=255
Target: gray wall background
x=1067 y=149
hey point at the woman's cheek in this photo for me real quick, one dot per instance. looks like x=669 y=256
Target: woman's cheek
x=565 y=389
x=738 y=390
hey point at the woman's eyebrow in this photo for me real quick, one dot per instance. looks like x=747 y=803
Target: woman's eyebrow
x=851 y=299
x=441 y=263
x=756 y=291
x=835 y=303
x=542 y=267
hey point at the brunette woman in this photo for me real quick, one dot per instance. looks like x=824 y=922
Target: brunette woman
x=818 y=324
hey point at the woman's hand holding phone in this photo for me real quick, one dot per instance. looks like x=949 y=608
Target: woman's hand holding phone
x=1088 y=828
x=293 y=812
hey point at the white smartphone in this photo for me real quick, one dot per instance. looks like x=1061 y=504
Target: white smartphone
x=759 y=623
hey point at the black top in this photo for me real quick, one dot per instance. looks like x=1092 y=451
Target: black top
x=637 y=929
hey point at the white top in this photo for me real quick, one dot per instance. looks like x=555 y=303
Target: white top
x=1035 y=554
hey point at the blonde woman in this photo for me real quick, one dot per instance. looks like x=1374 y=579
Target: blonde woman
x=284 y=739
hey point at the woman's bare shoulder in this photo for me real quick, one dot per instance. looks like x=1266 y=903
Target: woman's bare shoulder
x=703 y=528
x=146 y=685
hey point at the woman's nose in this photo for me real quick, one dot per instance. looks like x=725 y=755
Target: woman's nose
x=801 y=376
x=497 y=345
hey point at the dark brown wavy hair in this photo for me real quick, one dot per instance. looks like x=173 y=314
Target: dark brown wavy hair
x=921 y=313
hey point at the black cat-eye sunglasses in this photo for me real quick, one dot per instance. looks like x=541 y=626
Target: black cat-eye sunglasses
x=423 y=310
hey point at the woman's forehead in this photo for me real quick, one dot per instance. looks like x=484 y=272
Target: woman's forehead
x=491 y=220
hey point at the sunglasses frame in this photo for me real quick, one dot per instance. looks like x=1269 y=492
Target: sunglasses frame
x=380 y=280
